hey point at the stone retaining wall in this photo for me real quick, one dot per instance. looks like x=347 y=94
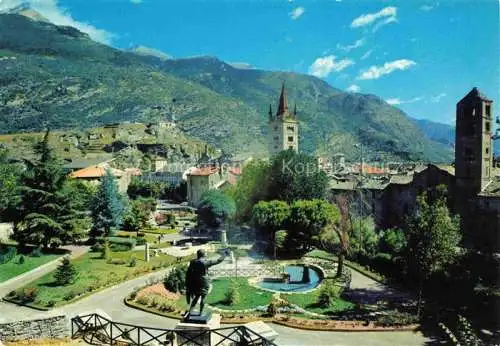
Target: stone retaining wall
x=55 y=327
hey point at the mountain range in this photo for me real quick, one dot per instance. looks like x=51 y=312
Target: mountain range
x=57 y=77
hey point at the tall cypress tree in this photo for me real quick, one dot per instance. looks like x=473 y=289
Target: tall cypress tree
x=107 y=208
x=46 y=216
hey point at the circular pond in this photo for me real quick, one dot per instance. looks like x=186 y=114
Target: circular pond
x=300 y=278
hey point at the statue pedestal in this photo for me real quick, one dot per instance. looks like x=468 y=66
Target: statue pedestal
x=198 y=333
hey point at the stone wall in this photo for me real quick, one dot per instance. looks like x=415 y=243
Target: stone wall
x=54 y=327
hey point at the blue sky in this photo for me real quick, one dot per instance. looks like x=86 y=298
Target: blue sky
x=422 y=56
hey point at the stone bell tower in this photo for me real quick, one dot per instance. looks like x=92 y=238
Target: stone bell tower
x=283 y=128
x=473 y=150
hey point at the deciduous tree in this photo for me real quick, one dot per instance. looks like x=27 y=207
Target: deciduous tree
x=433 y=239
x=215 y=208
x=295 y=176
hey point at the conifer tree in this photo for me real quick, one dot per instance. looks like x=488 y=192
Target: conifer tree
x=46 y=215
x=107 y=208
x=65 y=273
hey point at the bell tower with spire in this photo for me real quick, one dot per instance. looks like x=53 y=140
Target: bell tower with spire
x=283 y=127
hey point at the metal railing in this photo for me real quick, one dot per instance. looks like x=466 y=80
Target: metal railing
x=242 y=272
x=98 y=330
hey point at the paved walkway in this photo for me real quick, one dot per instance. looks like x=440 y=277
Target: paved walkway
x=111 y=302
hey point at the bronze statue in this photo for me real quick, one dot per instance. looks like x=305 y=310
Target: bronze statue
x=197 y=281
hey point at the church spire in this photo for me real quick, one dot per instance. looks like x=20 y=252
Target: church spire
x=283 y=105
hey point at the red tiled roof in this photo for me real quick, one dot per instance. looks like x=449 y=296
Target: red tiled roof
x=95 y=172
x=370 y=169
x=204 y=171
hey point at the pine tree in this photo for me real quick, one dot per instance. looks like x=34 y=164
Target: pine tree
x=65 y=273
x=107 y=207
x=45 y=213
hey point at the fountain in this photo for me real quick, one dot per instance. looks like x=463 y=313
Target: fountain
x=295 y=278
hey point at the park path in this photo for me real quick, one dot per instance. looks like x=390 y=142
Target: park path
x=23 y=279
x=110 y=301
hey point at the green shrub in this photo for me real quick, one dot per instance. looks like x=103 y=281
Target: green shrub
x=69 y=296
x=155 y=301
x=119 y=247
x=166 y=306
x=117 y=261
x=232 y=296
x=130 y=243
x=105 y=250
x=175 y=281
x=7 y=254
x=37 y=252
x=65 y=273
x=20 y=260
x=144 y=300
x=133 y=262
x=396 y=318
x=97 y=247
x=140 y=241
x=272 y=309
x=327 y=294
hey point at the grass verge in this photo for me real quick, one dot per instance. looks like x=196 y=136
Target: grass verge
x=94 y=274
x=18 y=266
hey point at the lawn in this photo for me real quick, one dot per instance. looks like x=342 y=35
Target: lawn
x=250 y=297
x=160 y=230
x=14 y=268
x=309 y=302
x=94 y=274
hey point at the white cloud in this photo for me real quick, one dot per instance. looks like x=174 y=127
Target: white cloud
x=323 y=66
x=297 y=12
x=359 y=43
x=354 y=88
x=437 y=98
x=396 y=101
x=136 y=1
x=388 y=14
x=428 y=7
x=51 y=10
x=384 y=23
x=375 y=72
x=367 y=54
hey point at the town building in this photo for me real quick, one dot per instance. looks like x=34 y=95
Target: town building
x=203 y=179
x=472 y=183
x=94 y=174
x=283 y=127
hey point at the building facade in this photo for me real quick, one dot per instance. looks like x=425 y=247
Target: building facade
x=283 y=127
x=473 y=151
